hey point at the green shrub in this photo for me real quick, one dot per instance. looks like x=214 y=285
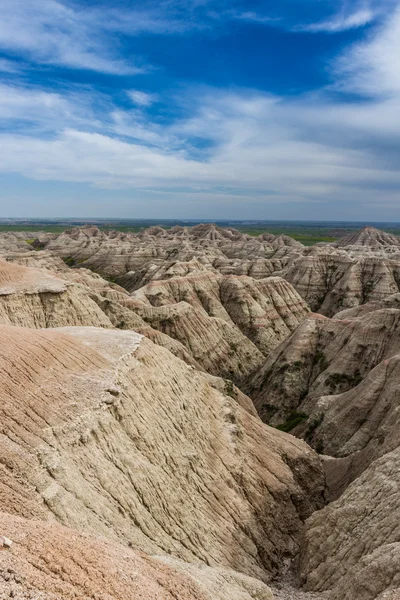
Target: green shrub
x=293 y=420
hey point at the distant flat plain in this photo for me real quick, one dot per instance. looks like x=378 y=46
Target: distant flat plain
x=307 y=232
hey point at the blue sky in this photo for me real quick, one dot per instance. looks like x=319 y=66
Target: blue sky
x=278 y=109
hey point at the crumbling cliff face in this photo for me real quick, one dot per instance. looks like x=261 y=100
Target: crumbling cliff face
x=265 y=310
x=323 y=357
x=50 y=562
x=211 y=341
x=37 y=298
x=110 y=434
x=352 y=546
x=133 y=462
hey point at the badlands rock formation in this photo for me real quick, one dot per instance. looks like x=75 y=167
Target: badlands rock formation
x=360 y=268
x=352 y=547
x=111 y=435
x=50 y=562
x=331 y=281
x=322 y=357
x=265 y=310
x=132 y=466
x=114 y=254
x=36 y=298
x=370 y=238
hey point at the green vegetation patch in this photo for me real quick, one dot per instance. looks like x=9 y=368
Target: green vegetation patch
x=313 y=426
x=69 y=261
x=335 y=380
x=294 y=419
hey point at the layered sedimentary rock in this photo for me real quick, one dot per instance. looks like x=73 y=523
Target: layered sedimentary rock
x=363 y=267
x=322 y=357
x=112 y=435
x=128 y=472
x=115 y=254
x=37 y=259
x=216 y=345
x=265 y=311
x=37 y=298
x=353 y=545
x=331 y=281
x=16 y=241
x=392 y=301
x=370 y=240
x=132 y=280
x=50 y=562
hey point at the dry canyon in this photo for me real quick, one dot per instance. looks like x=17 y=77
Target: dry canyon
x=195 y=413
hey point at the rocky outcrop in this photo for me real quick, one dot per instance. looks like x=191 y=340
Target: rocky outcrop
x=37 y=298
x=332 y=281
x=359 y=311
x=369 y=237
x=110 y=434
x=352 y=546
x=360 y=425
x=323 y=357
x=156 y=272
x=37 y=259
x=265 y=311
x=216 y=345
x=50 y=562
x=16 y=241
x=115 y=254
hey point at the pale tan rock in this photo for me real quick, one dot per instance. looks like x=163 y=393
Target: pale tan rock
x=15 y=279
x=361 y=268
x=50 y=562
x=116 y=254
x=323 y=357
x=37 y=259
x=5 y=542
x=332 y=281
x=38 y=298
x=369 y=237
x=265 y=311
x=216 y=345
x=392 y=301
x=112 y=435
x=353 y=545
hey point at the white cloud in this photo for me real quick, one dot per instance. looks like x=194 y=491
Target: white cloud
x=44 y=112
x=51 y=32
x=261 y=146
x=342 y=22
x=9 y=66
x=372 y=66
x=141 y=98
x=252 y=17
x=75 y=35
x=255 y=146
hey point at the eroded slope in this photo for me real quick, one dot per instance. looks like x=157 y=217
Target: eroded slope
x=126 y=441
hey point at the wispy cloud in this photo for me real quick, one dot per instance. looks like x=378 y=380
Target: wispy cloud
x=52 y=32
x=10 y=66
x=141 y=98
x=260 y=146
x=341 y=22
x=371 y=67
x=79 y=36
x=253 y=17
x=243 y=144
